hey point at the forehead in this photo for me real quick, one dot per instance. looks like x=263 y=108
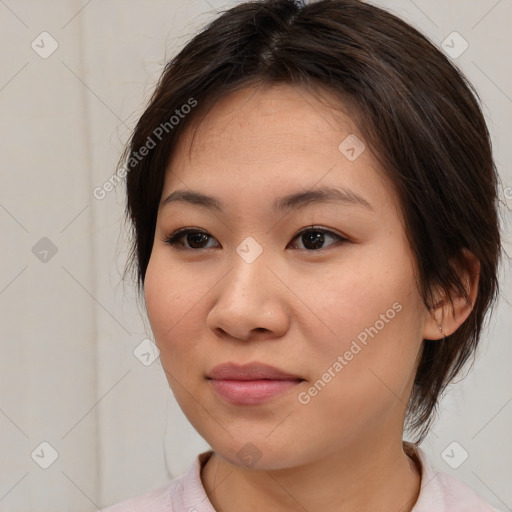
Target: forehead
x=271 y=138
x=279 y=117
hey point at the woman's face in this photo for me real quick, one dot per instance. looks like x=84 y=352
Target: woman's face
x=336 y=308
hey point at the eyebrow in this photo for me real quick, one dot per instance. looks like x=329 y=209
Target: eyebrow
x=284 y=204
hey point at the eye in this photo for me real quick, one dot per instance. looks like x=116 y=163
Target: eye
x=194 y=239
x=313 y=238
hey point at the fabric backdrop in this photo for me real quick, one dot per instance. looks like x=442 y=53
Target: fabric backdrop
x=85 y=420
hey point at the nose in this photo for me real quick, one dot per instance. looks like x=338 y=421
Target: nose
x=250 y=303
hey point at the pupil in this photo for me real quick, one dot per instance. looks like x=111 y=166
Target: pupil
x=315 y=238
x=195 y=240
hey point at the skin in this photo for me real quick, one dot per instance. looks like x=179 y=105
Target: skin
x=295 y=307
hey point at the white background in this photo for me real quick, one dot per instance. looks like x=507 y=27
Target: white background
x=69 y=325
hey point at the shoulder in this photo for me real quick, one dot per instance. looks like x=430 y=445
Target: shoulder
x=183 y=494
x=441 y=492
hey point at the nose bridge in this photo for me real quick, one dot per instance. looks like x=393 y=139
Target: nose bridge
x=249 y=273
x=247 y=299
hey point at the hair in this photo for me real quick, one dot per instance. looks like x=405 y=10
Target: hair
x=418 y=112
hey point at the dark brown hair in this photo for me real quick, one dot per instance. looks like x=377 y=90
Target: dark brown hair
x=415 y=109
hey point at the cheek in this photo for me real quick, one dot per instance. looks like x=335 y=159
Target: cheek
x=371 y=311
x=363 y=294
x=357 y=384
x=173 y=305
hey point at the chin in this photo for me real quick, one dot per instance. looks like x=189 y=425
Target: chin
x=258 y=455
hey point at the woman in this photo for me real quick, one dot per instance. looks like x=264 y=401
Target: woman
x=313 y=200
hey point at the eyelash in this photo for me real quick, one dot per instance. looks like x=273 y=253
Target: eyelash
x=174 y=238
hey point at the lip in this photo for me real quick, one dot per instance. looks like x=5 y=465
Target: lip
x=249 y=371
x=250 y=384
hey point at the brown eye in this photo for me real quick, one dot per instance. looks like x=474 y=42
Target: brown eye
x=310 y=239
x=189 y=239
x=315 y=238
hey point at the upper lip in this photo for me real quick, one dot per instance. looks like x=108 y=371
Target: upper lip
x=250 y=371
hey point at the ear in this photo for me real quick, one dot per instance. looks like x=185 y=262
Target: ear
x=444 y=319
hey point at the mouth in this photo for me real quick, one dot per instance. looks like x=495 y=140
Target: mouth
x=250 y=371
x=251 y=392
x=250 y=384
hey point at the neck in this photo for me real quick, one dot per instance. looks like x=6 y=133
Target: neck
x=363 y=478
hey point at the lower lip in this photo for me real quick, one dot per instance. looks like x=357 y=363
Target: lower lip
x=248 y=392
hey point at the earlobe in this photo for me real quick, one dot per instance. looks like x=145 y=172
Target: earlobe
x=446 y=316
x=435 y=328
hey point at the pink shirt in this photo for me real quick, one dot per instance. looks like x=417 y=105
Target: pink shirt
x=439 y=493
